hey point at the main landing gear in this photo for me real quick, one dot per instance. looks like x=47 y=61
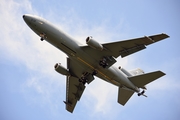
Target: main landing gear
x=94 y=72
x=103 y=63
x=87 y=77
x=142 y=93
x=83 y=80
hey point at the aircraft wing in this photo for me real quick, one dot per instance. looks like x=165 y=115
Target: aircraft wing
x=127 y=47
x=122 y=48
x=74 y=88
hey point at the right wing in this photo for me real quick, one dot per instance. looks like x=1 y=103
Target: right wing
x=122 y=48
x=127 y=47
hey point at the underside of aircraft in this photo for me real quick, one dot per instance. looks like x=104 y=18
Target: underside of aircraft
x=84 y=62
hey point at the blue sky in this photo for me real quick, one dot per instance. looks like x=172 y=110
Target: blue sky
x=31 y=89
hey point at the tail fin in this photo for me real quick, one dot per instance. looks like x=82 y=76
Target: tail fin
x=124 y=95
x=143 y=79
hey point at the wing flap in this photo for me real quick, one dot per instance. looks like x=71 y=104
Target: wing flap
x=127 y=51
x=143 y=79
x=124 y=95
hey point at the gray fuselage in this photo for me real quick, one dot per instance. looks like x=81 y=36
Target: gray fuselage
x=73 y=50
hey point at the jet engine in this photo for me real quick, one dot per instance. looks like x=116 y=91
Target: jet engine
x=60 y=69
x=125 y=71
x=133 y=73
x=93 y=44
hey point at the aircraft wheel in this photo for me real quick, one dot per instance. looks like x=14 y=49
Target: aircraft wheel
x=94 y=73
x=83 y=81
x=42 y=39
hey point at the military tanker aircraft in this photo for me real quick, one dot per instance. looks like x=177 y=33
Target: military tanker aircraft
x=95 y=59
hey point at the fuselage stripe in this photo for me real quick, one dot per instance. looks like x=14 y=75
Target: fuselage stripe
x=112 y=81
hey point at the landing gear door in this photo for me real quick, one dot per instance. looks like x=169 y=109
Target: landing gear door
x=90 y=78
x=110 y=61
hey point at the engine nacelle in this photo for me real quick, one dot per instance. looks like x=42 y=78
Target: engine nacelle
x=93 y=44
x=60 y=69
x=125 y=71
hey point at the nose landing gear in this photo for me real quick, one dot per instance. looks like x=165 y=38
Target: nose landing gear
x=43 y=36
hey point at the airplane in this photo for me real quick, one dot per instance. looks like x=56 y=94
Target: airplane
x=84 y=62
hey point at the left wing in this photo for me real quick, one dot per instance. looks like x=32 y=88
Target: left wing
x=74 y=90
x=74 y=86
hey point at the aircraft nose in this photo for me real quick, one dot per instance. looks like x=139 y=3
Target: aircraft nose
x=26 y=17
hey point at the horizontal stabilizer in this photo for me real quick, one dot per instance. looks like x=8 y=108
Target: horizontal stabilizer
x=143 y=79
x=124 y=95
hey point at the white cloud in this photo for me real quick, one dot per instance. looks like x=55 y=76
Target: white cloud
x=20 y=43
x=22 y=46
x=100 y=94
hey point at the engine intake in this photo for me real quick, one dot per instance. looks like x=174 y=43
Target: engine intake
x=60 y=69
x=93 y=44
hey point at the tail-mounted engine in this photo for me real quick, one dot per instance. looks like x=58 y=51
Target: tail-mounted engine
x=125 y=71
x=60 y=69
x=134 y=73
x=93 y=44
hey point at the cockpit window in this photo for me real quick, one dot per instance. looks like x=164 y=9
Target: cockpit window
x=33 y=20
